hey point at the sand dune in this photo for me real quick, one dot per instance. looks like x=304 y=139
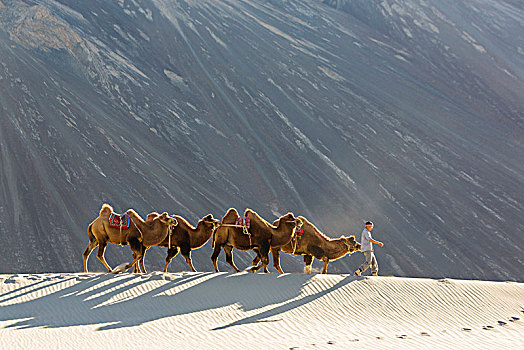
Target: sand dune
x=255 y=311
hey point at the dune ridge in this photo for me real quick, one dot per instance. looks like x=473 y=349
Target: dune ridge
x=225 y=311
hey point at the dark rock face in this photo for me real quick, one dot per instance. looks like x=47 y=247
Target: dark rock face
x=408 y=113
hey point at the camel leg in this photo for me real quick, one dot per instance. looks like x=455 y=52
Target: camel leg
x=100 y=255
x=171 y=253
x=308 y=260
x=326 y=262
x=185 y=250
x=258 y=267
x=135 y=270
x=90 y=246
x=229 y=257
x=276 y=259
x=262 y=259
x=263 y=254
x=188 y=260
x=256 y=264
x=265 y=246
x=214 y=257
x=137 y=249
x=139 y=265
x=142 y=259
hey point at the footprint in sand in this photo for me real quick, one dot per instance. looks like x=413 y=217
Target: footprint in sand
x=380 y=338
x=488 y=327
x=425 y=334
x=502 y=323
x=466 y=329
x=403 y=336
x=513 y=319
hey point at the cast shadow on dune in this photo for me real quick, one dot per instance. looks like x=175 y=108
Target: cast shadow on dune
x=128 y=300
x=261 y=317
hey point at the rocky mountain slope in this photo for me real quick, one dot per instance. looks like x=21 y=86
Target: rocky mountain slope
x=405 y=112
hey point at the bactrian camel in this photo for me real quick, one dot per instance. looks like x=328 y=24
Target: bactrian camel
x=311 y=242
x=258 y=236
x=139 y=235
x=185 y=237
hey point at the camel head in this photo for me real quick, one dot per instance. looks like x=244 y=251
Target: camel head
x=167 y=219
x=210 y=220
x=352 y=244
x=290 y=218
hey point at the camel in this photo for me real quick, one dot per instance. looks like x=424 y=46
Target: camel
x=313 y=243
x=227 y=236
x=185 y=237
x=258 y=237
x=140 y=234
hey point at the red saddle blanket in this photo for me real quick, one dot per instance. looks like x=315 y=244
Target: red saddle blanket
x=119 y=221
x=240 y=222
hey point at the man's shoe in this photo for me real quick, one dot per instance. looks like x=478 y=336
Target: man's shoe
x=357 y=273
x=374 y=274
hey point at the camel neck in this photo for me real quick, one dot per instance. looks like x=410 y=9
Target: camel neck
x=200 y=235
x=281 y=235
x=336 y=248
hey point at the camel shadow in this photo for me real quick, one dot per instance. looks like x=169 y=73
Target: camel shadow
x=244 y=290
x=115 y=301
x=262 y=316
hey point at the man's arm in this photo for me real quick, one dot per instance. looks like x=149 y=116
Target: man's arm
x=376 y=242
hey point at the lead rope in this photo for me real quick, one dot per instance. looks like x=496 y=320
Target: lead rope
x=246 y=232
x=120 y=225
x=169 y=234
x=347 y=245
x=295 y=238
x=141 y=234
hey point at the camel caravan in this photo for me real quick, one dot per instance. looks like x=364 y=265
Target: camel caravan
x=289 y=234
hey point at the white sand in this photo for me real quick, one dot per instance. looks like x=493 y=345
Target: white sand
x=256 y=311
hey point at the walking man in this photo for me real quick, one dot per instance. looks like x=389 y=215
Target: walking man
x=367 y=248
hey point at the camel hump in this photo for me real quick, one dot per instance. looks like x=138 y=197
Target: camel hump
x=132 y=212
x=106 y=209
x=134 y=215
x=231 y=210
x=230 y=216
